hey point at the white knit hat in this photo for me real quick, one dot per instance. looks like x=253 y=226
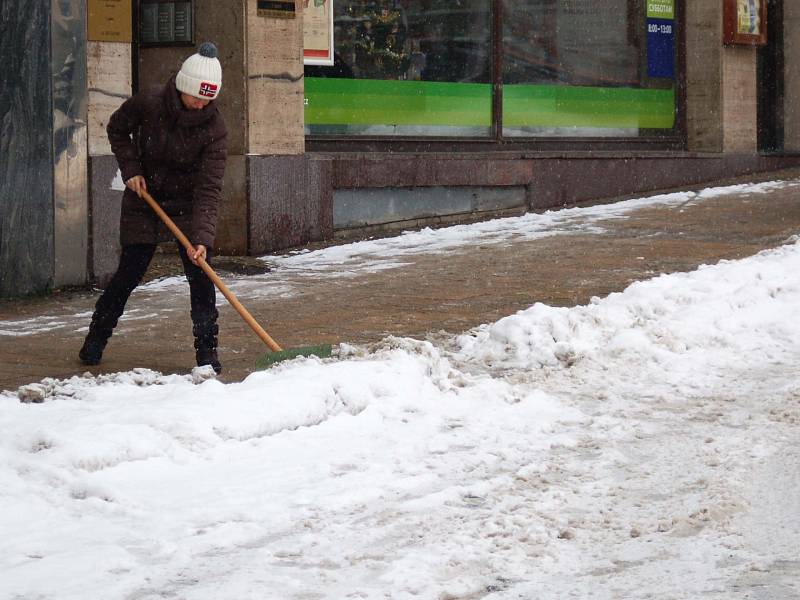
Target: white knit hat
x=201 y=74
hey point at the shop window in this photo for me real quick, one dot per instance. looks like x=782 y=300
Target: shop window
x=569 y=68
x=404 y=67
x=582 y=68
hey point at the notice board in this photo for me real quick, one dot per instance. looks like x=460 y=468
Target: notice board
x=661 y=38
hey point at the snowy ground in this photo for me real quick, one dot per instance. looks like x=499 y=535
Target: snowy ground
x=642 y=446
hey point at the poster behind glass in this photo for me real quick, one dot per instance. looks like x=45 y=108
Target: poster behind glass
x=745 y=22
x=318 y=32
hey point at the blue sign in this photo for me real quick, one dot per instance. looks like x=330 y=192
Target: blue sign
x=661 y=48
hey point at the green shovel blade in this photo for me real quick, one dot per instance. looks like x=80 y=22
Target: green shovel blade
x=265 y=361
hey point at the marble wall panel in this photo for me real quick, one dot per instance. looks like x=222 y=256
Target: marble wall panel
x=109 y=75
x=26 y=150
x=275 y=85
x=739 y=100
x=704 y=84
x=70 y=141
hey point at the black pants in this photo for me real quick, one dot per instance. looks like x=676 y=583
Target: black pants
x=132 y=266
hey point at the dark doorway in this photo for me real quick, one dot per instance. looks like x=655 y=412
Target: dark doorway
x=770 y=82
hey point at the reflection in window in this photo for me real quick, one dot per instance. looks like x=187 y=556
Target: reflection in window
x=575 y=42
x=419 y=40
x=579 y=68
x=422 y=67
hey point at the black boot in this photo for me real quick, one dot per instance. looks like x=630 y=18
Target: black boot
x=205 y=343
x=107 y=312
x=92 y=350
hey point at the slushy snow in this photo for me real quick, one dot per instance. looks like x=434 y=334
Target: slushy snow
x=644 y=445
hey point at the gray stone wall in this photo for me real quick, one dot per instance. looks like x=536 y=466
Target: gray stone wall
x=105 y=207
x=290 y=201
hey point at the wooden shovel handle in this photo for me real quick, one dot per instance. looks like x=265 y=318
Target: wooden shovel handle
x=248 y=318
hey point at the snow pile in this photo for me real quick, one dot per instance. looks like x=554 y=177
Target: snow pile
x=729 y=310
x=745 y=188
x=111 y=484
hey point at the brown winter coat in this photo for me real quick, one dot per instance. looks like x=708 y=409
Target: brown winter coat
x=181 y=155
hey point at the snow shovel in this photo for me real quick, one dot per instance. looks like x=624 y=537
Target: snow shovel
x=276 y=353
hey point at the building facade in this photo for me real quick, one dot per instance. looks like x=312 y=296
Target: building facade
x=430 y=112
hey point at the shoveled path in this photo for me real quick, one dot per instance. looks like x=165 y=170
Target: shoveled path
x=427 y=295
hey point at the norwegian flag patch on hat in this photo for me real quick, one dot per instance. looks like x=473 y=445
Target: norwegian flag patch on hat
x=209 y=90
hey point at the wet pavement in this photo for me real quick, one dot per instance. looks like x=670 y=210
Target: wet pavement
x=423 y=296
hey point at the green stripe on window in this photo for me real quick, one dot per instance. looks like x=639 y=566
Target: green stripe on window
x=377 y=102
x=331 y=101
x=563 y=106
